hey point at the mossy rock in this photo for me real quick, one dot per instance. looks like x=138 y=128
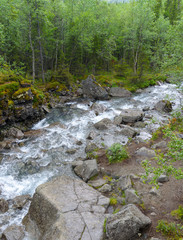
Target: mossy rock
x=8 y=88
x=23 y=95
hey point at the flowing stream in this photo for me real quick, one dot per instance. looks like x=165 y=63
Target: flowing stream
x=47 y=152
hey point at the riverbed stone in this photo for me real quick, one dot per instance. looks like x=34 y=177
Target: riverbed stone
x=66 y=209
x=127 y=131
x=124 y=182
x=4 y=206
x=87 y=169
x=103 y=124
x=13 y=232
x=163 y=106
x=93 y=90
x=126 y=224
x=119 y=92
x=98 y=108
x=145 y=152
x=132 y=197
x=129 y=116
x=20 y=201
x=90 y=147
x=91 y=135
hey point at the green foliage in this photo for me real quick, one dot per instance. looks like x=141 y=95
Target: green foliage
x=104 y=228
x=178 y=213
x=171 y=230
x=113 y=201
x=8 y=89
x=116 y=153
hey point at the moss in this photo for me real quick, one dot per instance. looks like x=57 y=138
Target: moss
x=10 y=104
x=113 y=201
x=8 y=88
x=20 y=93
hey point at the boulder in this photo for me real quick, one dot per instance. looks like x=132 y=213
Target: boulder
x=106 y=188
x=132 y=197
x=145 y=152
x=119 y=92
x=4 y=206
x=103 y=124
x=20 y=201
x=163 y=178
x=93 y=90
x=97 y=183
x=91 y=135
x=129 y=116
x=13 y=232
x=66 y=209
x=126 y=224
x=124 y=182
x=87 y=169
x=127 y=131
x=98 y=108
x=15 y=133
x=163 y=106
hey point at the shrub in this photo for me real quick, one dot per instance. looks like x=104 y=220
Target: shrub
x=171 y=230
x=178 y=213
x=116 y=153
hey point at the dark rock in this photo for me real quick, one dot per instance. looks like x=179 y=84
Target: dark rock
x=87 y=169
x=163 y=106
x=93 y=90
x=71 y=151
x=92 y=135
x=4 y=206
x=13 y=232
x=126 y=224
x=163 y=178
x=119 y=92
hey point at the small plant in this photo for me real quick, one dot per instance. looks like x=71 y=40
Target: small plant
x=178 y=213
x=113 y=201
x=172 y=230
x=105 y=221
x=116 y=153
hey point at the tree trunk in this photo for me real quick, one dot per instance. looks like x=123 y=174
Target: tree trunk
x=32 y=48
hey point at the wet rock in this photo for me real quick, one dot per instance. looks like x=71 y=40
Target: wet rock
x=66 y=208
x=15 y=133
x=119 y=92
x=127 y=131
x=145 y=152
x=57 y=125
x=131 y=197
x=4 y=206
x=98 y=108
x=129 y=116
x=93 y=90
x=71 y=151
x=163 y=178
x=140 y=124
x=90 y=147
x=79 y=142
x=163 y=106
x=106 y=188
x=124 y=182
x=13 y=232
x=139 y=91
x=103 y=124
x=97 y=183
x=145 y=109
x=87 y=169
x=126 y=224
x=20 y=201
x=46 y=109
x=6 y=144
x=92 y=135
x=77 y=163
x=29 y=167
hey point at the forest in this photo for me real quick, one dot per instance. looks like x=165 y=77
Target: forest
x=45 y=38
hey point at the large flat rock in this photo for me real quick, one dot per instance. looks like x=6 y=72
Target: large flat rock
x=66 y=209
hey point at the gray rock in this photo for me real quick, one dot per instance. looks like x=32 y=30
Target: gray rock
x=98 y=108
x=71 y=151
x=126 y=224
x=91 y=135
x=119 y=92
x=124 y=182
x=145 y=152
x=131 y=115
x=163 y=178
x=140 y=124
x=66 y=209
x=139 y=91
x=155 y=238
x=161 y=144
x=105 y=188
x=87 y=170
x=97 y=183
x=145 y=109
x=90 y=147
x=154 y=191
x=4 y=206
x=15 y=133
x=20 y=201
x=128 y=131
x=163 y=106
x=13 y=232
x=131 y=197
x=93 y=90
x=103 y=124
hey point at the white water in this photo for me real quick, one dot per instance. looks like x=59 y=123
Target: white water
x=42 y=157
